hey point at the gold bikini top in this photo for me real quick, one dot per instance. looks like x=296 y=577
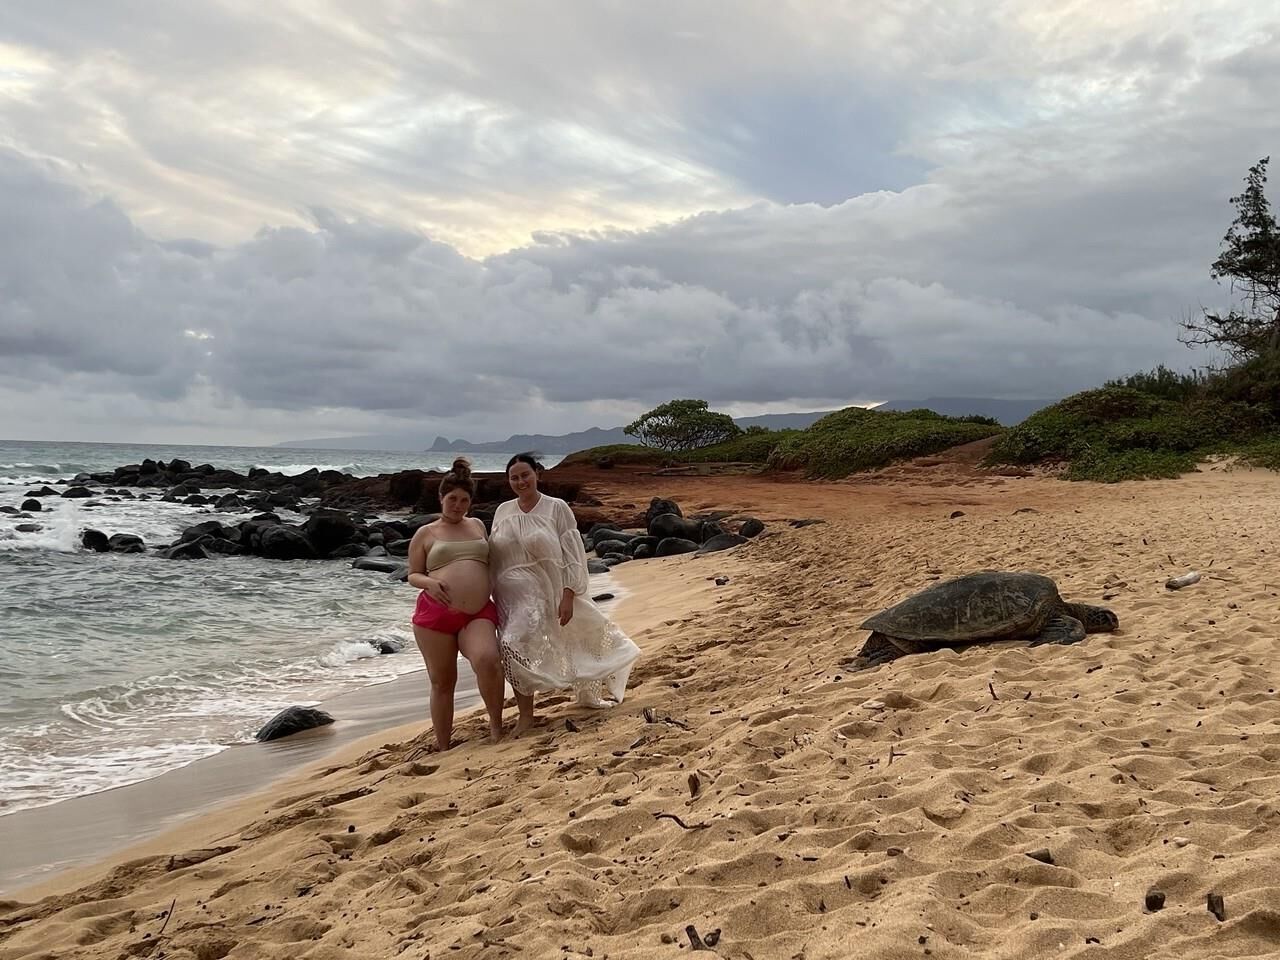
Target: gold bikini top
x=446 y=551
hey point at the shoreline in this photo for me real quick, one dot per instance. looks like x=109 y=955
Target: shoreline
x=52 y=846
x=42 y=842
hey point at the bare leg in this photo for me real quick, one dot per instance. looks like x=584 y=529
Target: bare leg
x=524 y=701
x=478 y=642
x=440 y=652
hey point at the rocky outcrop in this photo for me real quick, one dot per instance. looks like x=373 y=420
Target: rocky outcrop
x=328 y=530
x=292 y=720
x=667 y=533
x=326 y=535
x=95 y=540
x=721 y=541
x=419 y=490
x=282 y=542
x=181 y=482
x=126 y=543
x=673 y=546
x=338 y=511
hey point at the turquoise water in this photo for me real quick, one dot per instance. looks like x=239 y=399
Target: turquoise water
x=116 y=668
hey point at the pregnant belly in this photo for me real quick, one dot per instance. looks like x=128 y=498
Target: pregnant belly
x=468 y=583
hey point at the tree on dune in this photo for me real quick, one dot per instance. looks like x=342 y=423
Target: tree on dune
x=682 y=425
x=1250 y=261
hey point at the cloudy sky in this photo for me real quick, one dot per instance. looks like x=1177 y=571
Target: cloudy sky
x=244 y=222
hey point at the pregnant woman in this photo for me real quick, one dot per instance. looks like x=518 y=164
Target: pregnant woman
x=553 y=636
x=449 y=563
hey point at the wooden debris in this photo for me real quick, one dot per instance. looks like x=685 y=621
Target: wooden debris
x=169 y=916
x=680 y=823
x=1217 y=907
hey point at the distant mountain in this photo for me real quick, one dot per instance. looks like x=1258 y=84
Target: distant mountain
x=599 y=436
x=541 y=442
x=1006 y=412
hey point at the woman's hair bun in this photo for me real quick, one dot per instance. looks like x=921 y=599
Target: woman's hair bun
x=459 y=478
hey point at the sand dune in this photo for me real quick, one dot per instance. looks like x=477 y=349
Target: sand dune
x=753 y=789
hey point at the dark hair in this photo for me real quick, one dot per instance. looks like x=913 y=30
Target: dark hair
x=458 y=478
x=528 y=457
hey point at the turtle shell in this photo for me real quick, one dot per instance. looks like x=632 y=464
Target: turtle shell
x=985 y=605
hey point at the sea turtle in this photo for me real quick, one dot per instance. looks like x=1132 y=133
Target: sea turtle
x=980 y=607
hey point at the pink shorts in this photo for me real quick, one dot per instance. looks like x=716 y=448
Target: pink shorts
x=434 y=615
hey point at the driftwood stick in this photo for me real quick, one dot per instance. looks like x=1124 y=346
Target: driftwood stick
x=679 y=822
x=167 y=917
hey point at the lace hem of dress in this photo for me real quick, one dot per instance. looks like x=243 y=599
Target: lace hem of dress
x=522 y=674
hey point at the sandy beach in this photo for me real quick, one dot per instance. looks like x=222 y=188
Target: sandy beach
x=756 y=798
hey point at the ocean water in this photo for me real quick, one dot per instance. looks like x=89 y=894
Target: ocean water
x=116 y=668
x=23 y=461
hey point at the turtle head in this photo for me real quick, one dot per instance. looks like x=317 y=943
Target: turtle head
x=1095 y=619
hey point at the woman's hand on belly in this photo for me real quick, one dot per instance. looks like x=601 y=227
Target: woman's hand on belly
x=437 y=590
x=468 y=583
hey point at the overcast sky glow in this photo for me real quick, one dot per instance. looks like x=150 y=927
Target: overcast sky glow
x=247 y=222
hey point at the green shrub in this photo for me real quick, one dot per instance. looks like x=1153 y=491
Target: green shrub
x=1255 y=382
x=1163 y=383
x=1123 y=433
x=856 y=439
x=753 y=446
x=1112 y=466
x=1264 y=452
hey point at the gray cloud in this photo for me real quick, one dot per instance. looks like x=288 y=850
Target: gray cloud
x=902 y=204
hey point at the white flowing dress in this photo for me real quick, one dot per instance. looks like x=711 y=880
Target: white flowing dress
x=533 y=558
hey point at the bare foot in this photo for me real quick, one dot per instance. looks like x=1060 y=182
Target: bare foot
x=495 y=731
x=522 y=724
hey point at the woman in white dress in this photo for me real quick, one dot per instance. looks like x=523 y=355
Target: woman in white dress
x=553 y=637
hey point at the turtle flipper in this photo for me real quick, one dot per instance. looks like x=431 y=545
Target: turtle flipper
x=881 y=649
x=1060 y=629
